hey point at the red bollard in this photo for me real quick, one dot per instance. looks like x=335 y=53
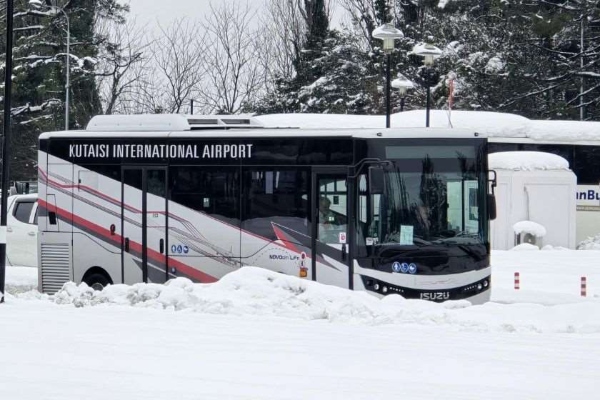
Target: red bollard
x=583 y=286
x=517 y=281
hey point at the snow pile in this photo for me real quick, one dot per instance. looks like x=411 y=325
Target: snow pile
x=259 y=292
x=248 y=291
x=527 y=161
x=591 y=243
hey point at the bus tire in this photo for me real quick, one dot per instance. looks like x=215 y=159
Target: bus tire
x=97 y=280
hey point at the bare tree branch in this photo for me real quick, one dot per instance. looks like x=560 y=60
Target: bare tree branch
x=232 y=72
x=122 y=53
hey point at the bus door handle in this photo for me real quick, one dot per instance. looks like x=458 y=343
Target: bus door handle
x=161 y=246
x=344 y=252
x=127 y=244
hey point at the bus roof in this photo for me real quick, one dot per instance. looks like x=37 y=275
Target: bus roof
x=275 y=132
x=216 y=126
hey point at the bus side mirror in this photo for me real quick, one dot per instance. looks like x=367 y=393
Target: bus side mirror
x=491 y=207
x=376 y=180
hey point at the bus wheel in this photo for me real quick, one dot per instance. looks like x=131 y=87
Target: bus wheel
x=97 y=281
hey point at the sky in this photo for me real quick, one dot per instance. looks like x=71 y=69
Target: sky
x=153 y=12
x=262 y=335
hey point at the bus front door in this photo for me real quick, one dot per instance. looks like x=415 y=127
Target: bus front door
x=144 y=227
x=329 y=235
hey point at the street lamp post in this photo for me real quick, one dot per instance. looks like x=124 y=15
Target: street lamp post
x=429 y=53
x=6 y=144
x=39 y=4
x=402 y=84
x=388 y=33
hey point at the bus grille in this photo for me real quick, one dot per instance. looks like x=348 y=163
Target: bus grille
x=55 y=262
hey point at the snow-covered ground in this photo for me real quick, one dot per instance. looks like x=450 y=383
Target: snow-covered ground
x=260 y=335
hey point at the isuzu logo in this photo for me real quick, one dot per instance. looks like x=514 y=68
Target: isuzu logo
x=435 y=296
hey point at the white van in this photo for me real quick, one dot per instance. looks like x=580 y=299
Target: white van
x=21 y=230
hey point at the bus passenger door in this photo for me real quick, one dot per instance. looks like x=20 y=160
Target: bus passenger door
x=144 y=216
x=330 y=253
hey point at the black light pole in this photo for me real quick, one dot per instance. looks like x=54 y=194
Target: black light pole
x=6 y=144
x=388 y=33
x=388 y=100
x=402 y=84
x=427 y=106
x=429 y=53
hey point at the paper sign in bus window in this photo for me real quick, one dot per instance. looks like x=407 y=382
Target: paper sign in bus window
x=406 y=234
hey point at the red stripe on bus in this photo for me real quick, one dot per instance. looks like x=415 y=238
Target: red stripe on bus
x=286 y=243
x=117 y=239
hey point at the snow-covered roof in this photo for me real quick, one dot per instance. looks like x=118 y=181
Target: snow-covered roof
x=484 y=122
x=527 y=161
x=491 y=124
x=497 y=126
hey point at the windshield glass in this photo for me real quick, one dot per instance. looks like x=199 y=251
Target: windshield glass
x=432 y=195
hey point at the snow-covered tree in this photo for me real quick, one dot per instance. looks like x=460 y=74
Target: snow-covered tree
x=39 y=71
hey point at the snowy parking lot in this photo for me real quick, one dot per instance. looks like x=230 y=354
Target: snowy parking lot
x=260 y=335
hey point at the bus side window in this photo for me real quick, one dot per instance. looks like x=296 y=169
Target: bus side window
x=212 y=190
x=586 y=164
x=275 y=196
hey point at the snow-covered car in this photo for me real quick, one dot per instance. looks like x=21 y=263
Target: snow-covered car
x=21 y=230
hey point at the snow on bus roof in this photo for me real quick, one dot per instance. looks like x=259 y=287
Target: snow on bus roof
x=491 y=124
x=179 y=125
x=572 y=131
x=484 y=122
x=526 y=161
x=138 y=123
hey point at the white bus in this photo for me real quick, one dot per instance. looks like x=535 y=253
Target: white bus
x=148 y=198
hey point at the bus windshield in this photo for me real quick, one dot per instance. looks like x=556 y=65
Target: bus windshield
x=432 y=196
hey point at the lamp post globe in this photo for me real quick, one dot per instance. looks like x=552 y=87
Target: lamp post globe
x=429 y=53
x=388 y=34
x=403 y=85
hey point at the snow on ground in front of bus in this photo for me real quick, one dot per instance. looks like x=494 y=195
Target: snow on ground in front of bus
x=261 y=335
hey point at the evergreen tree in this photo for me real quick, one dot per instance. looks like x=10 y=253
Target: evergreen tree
x=333 y=74
x=39 y=72
x=518 y=57
x=343 y=83
x=317 y=32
